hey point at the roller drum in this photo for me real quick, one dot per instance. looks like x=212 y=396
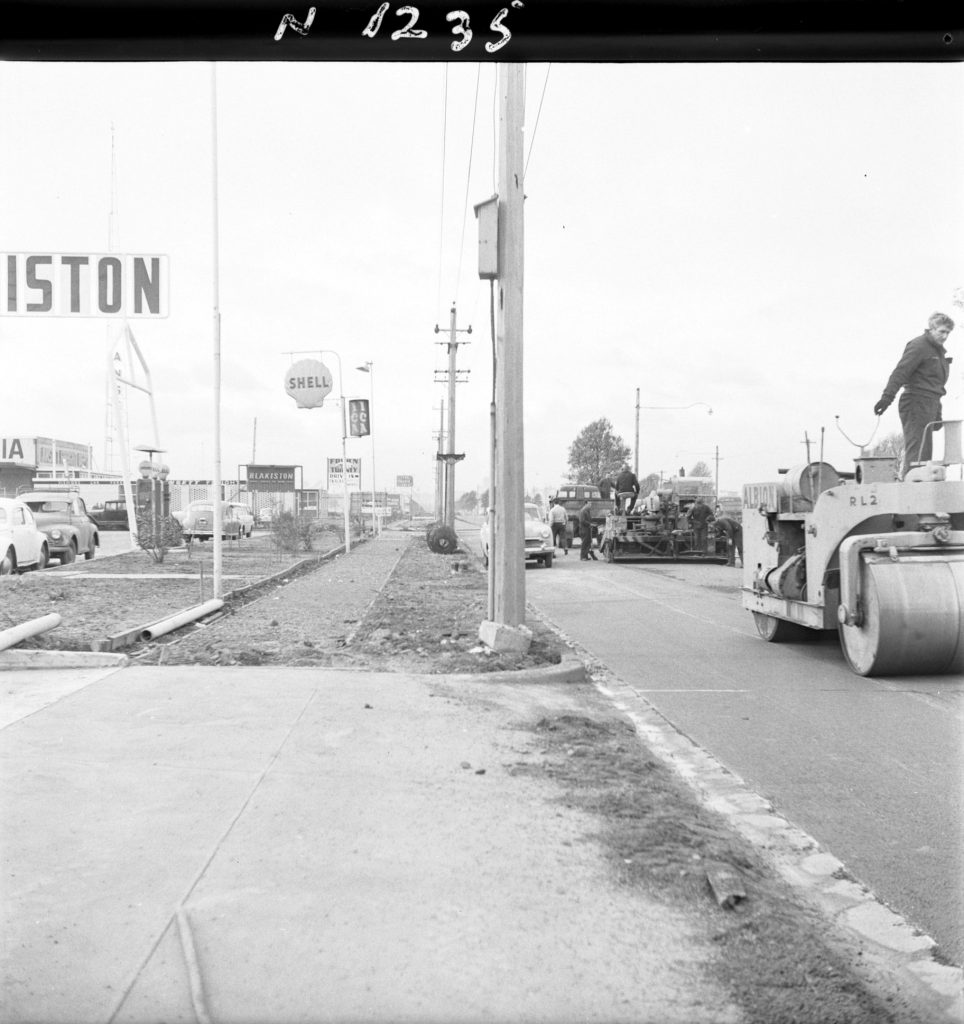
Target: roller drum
x=913 y=617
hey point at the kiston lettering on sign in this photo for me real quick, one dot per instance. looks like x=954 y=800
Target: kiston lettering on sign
x=106 y=284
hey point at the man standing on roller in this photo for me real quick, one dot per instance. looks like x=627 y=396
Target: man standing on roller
x=922 y=372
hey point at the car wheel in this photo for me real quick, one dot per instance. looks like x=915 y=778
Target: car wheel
x=70 y=555
x=44 y=559
x=92 y=550
x=547 y=561
x=8 y=564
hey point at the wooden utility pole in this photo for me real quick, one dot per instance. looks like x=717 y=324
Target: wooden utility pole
x=440 y=466
x=450 y=457
x=509 y=484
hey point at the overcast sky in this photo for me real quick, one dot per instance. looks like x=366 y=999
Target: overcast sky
x=761 y=239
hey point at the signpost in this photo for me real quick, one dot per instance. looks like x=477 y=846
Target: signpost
x=308 y=381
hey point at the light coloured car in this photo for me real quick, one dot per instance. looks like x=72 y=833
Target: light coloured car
x=244 y=516
x=22 y=545
x=63 y=517
x=197 y=521
x=538 y=538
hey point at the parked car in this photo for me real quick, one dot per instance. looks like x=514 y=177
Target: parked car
x=538 y=538
x=244 y=517
x=112 y=515
x=197 y=521
x=22 y=545
x=63 y=517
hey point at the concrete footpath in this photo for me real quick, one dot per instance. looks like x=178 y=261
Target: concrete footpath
x=264 y=844
x=256 y=844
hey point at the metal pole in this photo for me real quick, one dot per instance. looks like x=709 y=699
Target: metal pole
x=371 y=432
x=344 y=453
x=636 y=457
x=344 y=472
x=217 y=340
x=439 y=464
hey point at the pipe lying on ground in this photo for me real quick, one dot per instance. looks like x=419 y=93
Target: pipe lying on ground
x=156 y=629
x=13 y=635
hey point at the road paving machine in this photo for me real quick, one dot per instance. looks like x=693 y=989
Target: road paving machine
x=877 y=558
x=659 y=527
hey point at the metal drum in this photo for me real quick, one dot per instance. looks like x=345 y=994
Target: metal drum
x=806 y=483
x=913 y=616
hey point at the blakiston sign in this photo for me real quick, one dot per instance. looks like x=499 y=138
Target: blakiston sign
x=98 y=284
x=271 y=478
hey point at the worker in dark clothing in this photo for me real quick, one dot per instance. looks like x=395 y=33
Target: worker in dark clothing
x=733 y=530
x=922 y=372
x=700 y=515
x=627 y=488
x=585 y=533
x=605 y=486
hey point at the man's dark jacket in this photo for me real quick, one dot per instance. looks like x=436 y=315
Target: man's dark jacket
x=923 y=370
x=626 y=481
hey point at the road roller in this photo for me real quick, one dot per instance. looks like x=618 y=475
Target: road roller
x=878 y=558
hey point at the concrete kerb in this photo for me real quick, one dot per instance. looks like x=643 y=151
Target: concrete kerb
x=571 y=669
x=28 y=658
x=895 y=955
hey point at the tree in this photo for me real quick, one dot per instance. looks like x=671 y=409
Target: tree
x=597 y=452
x=893 y=445
x=701 y=469
x=649 y=484
x=468 y=501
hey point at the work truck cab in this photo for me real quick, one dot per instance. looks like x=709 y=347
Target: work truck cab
x=573 y=497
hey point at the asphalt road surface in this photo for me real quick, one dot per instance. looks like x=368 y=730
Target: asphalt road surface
x=871 y=768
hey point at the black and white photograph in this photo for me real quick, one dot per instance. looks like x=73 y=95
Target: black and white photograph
x=481 y=538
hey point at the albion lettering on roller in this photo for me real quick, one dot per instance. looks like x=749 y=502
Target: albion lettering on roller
x=110 y=284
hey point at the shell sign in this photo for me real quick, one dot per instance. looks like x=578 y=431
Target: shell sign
x=308 y=381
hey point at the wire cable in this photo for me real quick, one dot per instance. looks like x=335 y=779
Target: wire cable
x=851 y=440
x=468 y=178
x=532 y=140
x=441 y=215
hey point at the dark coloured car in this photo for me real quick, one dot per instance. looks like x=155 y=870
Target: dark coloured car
x=63 y=517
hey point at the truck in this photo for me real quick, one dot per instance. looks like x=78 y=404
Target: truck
x=877 y=558
x=659 y=529
x=573 y=496
x=112 y=515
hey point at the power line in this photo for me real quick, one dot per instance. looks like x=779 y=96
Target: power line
x=532 y=141
x=468 y=176
x=441 y=214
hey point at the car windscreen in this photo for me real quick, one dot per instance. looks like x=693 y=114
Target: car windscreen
x=48 y=506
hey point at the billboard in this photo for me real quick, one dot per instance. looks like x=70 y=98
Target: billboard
x=271 y=478
x=94 y=284
x=337 y=477
x=46 y=453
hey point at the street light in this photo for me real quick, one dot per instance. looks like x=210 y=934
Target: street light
x=369 y=368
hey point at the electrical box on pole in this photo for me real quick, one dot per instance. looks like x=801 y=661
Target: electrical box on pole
x=487 y=214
